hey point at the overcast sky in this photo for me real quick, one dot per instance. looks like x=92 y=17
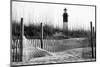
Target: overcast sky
x=79 y=16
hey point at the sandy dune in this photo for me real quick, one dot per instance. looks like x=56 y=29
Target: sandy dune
x=67 y=50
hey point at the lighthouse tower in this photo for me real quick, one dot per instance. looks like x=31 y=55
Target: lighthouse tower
x=65 y=20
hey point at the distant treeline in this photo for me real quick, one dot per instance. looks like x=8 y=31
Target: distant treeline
x=32 y=30
x=77 y=33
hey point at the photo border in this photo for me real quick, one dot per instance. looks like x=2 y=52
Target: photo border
x=51 y=3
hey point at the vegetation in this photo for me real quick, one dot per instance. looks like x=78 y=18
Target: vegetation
x=34 y=31
x=77 y=33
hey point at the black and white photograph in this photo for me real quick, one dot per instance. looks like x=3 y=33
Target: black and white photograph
x=52 y=33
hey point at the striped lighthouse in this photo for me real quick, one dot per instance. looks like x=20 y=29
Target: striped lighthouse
x=65 y=20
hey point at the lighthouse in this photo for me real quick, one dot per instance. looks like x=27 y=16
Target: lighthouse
x=65 y=20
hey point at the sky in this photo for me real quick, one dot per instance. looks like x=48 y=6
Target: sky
x=51 y=14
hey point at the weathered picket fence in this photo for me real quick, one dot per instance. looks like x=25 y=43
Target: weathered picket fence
x=16 y=50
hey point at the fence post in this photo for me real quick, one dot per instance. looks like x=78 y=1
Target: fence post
x=21 y=40
x=93 y=32
x=94 y=42
x=92 y=39
x=41 y=36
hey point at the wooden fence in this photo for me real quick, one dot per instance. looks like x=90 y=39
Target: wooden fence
x=17 y=46
x=16 y=51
